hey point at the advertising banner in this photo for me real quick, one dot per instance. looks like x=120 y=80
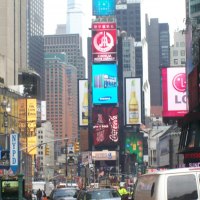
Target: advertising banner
x=104 y=155
x=104 y=84
x=104 y=40
x=103 y=7
x=31 y=115
x=134 y=145
x=43 y=110
x=14 y=152
x=22 y=116
x=83 y=102
x=133 y=101
x=105 y=126
x=174 y=92
x=32 y=143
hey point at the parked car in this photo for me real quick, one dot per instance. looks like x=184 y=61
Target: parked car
x=67 y=193
x=98 y=194
x=173 y=184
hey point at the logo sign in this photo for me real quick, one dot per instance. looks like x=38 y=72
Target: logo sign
x=104 y=42
x=174 y=92
x=104 y=155
x=104 y=84
x=105 y=126
x=14 y=152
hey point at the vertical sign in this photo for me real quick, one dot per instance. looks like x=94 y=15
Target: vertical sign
x=43 y=110
x=14 y=152
x=83 y=102
x=133 y=101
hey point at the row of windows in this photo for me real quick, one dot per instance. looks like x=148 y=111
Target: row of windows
x=182 y=61
x=176 y=53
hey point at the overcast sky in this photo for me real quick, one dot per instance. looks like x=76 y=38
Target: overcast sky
x=168 y=11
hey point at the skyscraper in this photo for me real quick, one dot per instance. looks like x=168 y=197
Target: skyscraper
x=35 y=40
x=158 y=56
x=12 y=39
x=71 y=44
x=128 y=16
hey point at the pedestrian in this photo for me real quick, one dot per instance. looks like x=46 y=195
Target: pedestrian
x=44 y=196
x=39 y=195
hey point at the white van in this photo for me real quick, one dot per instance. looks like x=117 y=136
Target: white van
x=173 y=184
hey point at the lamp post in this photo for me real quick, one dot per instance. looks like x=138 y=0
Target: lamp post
x=7 y=108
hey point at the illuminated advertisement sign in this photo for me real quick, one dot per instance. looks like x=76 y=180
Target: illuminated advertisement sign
x=43 y=110
x=104 y=39
x=134 y=145
x=174 y=92
x=83 y=102
x=104 y=84
x=133 y=101
x=105 y=126
x=103 y=7
x=14 y=151
x=104 y=155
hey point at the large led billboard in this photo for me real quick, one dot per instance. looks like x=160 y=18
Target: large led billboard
x=103 y=7
x=134 y=145
x=104 y=84
x=83 y=102
x=104 y=39
x=174 y=92
x=105 y=124
x=133 y=101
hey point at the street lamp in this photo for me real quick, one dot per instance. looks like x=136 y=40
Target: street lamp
x=7 y=108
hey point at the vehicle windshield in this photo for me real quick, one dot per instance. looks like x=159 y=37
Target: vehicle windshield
x=64 y=193
x=102 y=194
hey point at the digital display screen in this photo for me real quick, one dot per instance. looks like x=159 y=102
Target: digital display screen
x=104 y=84
x=103 y=7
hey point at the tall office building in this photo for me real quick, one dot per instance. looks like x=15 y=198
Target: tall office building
x=71 y=44
x=128 y=14
x=61 y=96
x=177 y=50
x=158 y=56
x=12 y=39
x=35 y=20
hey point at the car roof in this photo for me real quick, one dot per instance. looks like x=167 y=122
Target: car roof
x=175 y=171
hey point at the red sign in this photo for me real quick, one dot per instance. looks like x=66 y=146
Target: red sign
x=105 y=126
x=104 y=39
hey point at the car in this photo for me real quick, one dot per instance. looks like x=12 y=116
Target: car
x=98 y=194
x=67 y=193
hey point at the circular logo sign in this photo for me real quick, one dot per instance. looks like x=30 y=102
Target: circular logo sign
x=179 y=82
x=103 y=41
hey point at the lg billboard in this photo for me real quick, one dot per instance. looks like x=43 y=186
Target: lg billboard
x=104 y=39
x=174 y=92
x=104 y=84
x=105 y=126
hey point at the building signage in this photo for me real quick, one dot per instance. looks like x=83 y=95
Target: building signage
x=174 y=92
x=104 y=39
x=104 y=155
x=105 y=126
x=104 y=84
x=14 y=151
x=133 y=101
x=103 y=7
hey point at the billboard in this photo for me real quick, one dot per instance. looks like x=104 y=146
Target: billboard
x=104 y=40
x=103 y=7
x=134 y=145
x=174 y=92
x=104 y=84
x=43 y=110
x=133 y=101
x=105 y=124
x=22 y=116
x=83 y=102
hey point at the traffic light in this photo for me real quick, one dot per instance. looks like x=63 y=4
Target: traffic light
x=76 y=147
x=46 y=150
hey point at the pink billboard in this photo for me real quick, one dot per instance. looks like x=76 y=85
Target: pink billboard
x=104 y=39
x=174 y=92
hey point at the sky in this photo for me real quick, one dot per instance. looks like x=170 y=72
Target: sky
x=167 y=11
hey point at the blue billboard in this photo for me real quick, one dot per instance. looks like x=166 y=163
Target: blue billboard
x=103 y=7
x=104 y=84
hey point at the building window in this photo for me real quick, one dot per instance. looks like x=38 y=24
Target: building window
x=175 y=61
x=175 y=53
x=182 y=52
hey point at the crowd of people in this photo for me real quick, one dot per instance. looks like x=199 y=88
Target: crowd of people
x=41 y=195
